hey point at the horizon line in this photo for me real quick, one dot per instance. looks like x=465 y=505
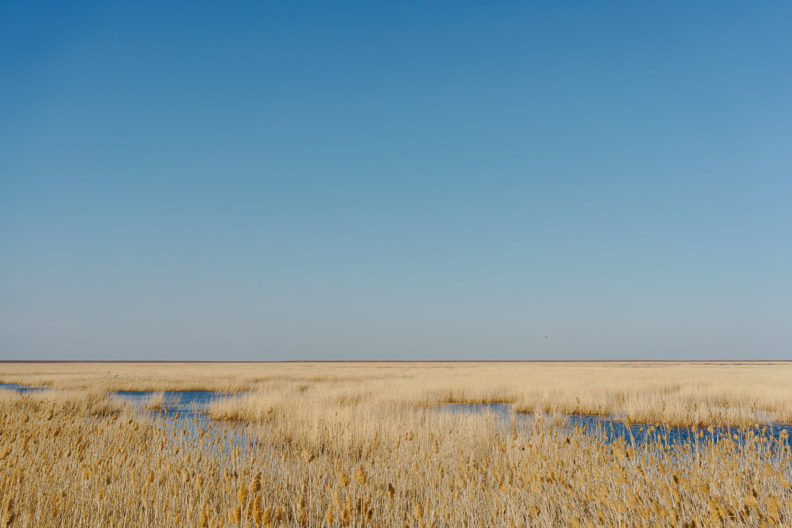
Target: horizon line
x=213 y=361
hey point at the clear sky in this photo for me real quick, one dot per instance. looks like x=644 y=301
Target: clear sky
x=445 y=180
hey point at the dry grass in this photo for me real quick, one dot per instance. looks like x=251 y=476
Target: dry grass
x=70 y=459
x=673 y=393
x=155 y=402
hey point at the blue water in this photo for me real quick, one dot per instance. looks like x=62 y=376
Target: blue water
x=188 y=404
x=182 y=415
x=20 y=388
x=610 y=429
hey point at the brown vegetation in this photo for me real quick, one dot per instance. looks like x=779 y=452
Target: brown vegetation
x=672 y=393
x=73 y=460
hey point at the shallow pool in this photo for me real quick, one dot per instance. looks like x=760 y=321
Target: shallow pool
x=611 y=429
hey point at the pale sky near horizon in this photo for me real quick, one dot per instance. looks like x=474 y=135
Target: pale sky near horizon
x=370 y=180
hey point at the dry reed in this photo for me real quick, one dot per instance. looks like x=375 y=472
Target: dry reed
x=675 y=393
x=337 y=456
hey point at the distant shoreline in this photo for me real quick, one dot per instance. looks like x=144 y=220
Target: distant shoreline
x=348 y=361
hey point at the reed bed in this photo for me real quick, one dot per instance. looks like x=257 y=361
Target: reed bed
x=72 y=459
x=685 y=394
x=155 y=401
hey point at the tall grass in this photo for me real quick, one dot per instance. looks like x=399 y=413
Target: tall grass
x=673 y=393
x=155 y=401
x=73 y=461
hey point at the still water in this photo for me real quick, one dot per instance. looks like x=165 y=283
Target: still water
x=186 y=410
x=182 y=414
x=610 y=429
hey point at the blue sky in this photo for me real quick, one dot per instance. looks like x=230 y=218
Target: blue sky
x=369 y=180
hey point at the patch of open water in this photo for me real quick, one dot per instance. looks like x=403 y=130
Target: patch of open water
x=189 y=404
x=184 y=411
x=610 y=429
x=20 y=388
x=182 y=414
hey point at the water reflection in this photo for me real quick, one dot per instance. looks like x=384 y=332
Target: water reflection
x=20 y=388
x=610 y=429
x=182 y=414
x=189 y=404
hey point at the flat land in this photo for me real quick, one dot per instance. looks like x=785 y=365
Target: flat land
x=684 y=393
x=363 y=444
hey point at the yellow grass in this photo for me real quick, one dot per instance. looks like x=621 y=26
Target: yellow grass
x=672 y=393
x=155 y=402
x=335 y=454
